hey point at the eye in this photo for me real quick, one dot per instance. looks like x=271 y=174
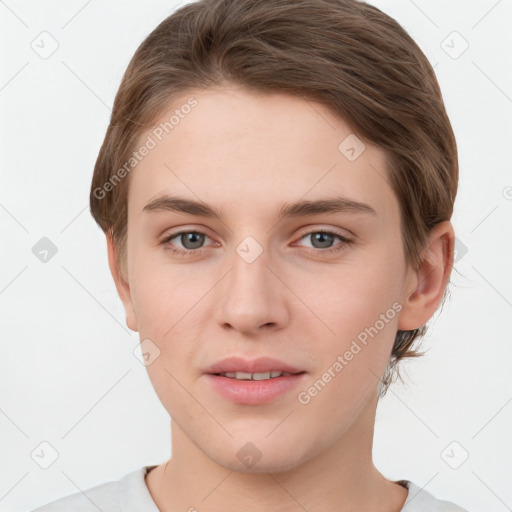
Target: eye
x=322 y=240
x=191 y=241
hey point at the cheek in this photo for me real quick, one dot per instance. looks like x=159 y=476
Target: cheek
x=160 y=293
x=352 y=296
x=170 y=314
x=359 y=308
x=363 y=315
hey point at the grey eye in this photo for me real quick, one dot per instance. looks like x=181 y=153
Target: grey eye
x=191 y=240
x=322 y=240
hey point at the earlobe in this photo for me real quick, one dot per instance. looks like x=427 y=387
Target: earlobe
x=122 y=286
x=429 y=282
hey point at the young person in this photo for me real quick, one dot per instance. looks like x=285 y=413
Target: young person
x=276 y=186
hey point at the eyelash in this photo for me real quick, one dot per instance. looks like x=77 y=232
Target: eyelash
x=339 y=247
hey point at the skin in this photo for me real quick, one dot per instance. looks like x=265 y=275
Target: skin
x=248 y=154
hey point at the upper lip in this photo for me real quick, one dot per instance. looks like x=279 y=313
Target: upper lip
x=259 y=365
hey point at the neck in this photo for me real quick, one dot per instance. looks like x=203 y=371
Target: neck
x=340 y=479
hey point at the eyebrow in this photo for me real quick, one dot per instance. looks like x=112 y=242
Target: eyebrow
x=289 y=210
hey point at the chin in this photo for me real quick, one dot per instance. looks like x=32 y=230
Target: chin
x=258 y=457
x=271 y=465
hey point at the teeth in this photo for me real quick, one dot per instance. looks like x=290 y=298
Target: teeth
x=253 y=376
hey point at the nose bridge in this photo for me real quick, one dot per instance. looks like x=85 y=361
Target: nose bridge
x=251 y=296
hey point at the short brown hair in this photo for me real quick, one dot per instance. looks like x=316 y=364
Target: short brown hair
x=345 y=54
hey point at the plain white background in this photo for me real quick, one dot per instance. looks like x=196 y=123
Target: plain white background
x=68 y=374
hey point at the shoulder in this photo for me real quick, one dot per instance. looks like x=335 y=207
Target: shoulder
x=113 y=496
x=419 y=500
x=103 y=497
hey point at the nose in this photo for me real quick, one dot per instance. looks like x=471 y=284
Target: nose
x=252 y=296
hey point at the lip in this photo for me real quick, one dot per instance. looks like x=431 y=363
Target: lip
x=259 y=365
x=254 y=392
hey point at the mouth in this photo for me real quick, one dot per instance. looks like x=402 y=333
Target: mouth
x=255 y=376
x=253 y=382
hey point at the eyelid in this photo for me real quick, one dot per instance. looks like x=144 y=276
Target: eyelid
x=306 y=231
x=326 y=229
x=169 y=233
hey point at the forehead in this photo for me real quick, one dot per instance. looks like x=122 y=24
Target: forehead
x=253 y=150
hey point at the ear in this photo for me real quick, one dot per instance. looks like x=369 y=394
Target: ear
x=425 y=288
x=122 y=286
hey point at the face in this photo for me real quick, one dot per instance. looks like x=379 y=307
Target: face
x=319 y=289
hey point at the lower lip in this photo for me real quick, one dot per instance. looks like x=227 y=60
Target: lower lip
x=254 y=392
